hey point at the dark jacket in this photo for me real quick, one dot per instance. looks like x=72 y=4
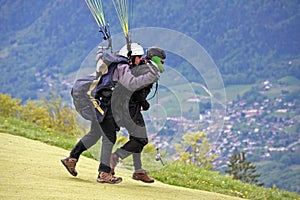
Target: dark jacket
x=138 y=102
x=127 y=104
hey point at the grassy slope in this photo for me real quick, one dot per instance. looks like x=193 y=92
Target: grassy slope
x=32 y=170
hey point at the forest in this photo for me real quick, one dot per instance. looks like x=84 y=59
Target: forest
x=248 y=41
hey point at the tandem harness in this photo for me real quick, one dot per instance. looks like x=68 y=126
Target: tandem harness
x=103 y=91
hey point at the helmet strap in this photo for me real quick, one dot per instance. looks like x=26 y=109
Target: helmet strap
x=129 y=54
x=133 y=60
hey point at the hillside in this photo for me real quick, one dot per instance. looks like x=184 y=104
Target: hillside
x=41 y=43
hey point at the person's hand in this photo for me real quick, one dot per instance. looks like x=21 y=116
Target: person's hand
x=145 y=105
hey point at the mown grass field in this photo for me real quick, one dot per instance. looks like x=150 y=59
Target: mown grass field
x=31 y=169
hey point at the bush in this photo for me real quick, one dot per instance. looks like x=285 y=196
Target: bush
x=9 y=107
x=50 y=113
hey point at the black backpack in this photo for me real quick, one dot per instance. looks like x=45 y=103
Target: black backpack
x=85 y=90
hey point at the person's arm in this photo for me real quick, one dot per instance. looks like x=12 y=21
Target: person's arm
x=124 y=76
x=140 y=98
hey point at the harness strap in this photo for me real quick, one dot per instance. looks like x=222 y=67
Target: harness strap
x=94 y=101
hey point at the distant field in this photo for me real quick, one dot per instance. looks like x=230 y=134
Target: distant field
x=188 y=90
x=233 y=91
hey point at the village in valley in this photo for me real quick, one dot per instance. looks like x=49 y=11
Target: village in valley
x=257 y=126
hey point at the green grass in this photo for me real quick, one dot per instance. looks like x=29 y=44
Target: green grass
x=32 y=170
x=198 y=178
x=34 y=132
x=290 y=80
x=173 y=174
x=233 y=91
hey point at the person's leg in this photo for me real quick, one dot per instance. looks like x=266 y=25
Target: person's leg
x=86 y=142
x=137 y=161
x=139 y=173
x=109 y=128
x=135 y=145
x=108 y=140
x=137 y=140
x=141 y=136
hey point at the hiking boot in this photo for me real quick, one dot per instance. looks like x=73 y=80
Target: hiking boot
x=70 y=164
x=104 y=177
x=114 y=160
x=141 y=175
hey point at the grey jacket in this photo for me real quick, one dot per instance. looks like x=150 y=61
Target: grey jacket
x=123 y=76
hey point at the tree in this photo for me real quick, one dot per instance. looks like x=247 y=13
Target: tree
x=195 y=150
x=9 y=107
x=52 y=113
x=243 y=170
x=35 y=113
x=62 y=118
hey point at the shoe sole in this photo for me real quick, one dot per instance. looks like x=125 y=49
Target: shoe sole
x=137 y=179
x=104 y=181
x=72 y=173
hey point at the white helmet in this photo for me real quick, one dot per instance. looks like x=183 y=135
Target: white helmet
x=137 y=50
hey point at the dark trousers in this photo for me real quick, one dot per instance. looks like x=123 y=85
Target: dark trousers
x=137 y=140
x=107 y=129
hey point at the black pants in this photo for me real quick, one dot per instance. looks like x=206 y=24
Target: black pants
x=107 y=129
x=137 y=140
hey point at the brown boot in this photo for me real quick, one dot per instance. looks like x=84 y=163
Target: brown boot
x=70 y=164
x=141 y=175
x=114 y=160
x=104 y=177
